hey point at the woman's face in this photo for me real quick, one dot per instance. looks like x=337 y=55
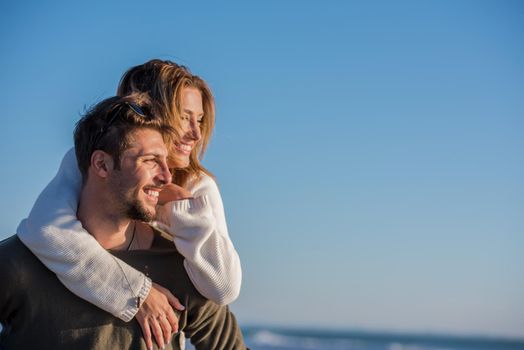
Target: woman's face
x=190 y=121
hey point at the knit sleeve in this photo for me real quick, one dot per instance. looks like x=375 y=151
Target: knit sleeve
x=200 y=233
x=54 y=234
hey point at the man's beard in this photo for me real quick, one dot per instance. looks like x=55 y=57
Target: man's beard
x=126 y=197
x=136 y=211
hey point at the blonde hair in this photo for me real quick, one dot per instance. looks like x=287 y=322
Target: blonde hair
x=164 y=82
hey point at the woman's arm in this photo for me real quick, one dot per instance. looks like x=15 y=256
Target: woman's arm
x=200 y=234
x=54 y=234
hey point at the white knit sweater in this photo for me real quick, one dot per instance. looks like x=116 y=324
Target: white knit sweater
x=54 y=234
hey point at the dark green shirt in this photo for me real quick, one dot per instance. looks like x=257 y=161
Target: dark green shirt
x=38 y=312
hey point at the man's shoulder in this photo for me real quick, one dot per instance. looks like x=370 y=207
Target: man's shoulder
x=16 y=258
x=12 y=248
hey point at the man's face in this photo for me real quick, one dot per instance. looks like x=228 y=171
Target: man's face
x=142 y=174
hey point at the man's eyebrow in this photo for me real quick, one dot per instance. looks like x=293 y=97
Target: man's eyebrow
x=153 y=154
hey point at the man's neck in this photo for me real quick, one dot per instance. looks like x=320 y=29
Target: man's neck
x=112 y=230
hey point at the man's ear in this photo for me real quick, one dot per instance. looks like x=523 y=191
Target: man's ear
x=101 y=163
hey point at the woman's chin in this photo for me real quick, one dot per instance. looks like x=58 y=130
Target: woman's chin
x=178 y=162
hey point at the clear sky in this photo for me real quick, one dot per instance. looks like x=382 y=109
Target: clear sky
x=370 y=154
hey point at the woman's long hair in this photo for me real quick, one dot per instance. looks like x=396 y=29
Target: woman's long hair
x=164 y=82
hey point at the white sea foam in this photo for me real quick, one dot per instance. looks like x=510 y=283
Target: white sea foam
x=276 y=340
x=398 y=346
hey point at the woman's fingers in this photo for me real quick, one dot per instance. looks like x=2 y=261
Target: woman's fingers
x=173 y=320
x=167 y=331
x=157 y=333
x=160 y=327
x=174 y=302
x=146 y=331
x=172 y=192
x=157 y=317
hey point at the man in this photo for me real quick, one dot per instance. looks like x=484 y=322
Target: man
x=123 y=160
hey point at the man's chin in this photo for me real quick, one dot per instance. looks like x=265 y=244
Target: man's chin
x=141 y=213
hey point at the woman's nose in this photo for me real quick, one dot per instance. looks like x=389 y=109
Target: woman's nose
x=195 y=132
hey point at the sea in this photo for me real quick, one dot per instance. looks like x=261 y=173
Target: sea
x=266 y=338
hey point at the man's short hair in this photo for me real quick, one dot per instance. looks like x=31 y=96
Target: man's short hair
x=107 y=126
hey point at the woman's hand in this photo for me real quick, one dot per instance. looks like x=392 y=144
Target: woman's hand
x=157 y=317
x=172 y=192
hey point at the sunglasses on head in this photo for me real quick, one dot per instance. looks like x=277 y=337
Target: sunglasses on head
x=115 y=113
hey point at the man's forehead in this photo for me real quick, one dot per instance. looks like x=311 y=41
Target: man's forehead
x=146 y=141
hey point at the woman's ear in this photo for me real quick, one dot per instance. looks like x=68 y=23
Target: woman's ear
x=101 y=163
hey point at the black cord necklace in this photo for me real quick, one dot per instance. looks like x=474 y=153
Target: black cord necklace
x=132 y=237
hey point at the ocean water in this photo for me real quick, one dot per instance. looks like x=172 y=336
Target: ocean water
x=280 y=339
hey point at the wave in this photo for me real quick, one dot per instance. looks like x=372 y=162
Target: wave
x=275 y=339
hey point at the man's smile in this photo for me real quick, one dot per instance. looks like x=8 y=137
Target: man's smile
x=152 y=194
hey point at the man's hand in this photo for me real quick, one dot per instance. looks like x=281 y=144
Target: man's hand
x=172 y=192
x=156 y=316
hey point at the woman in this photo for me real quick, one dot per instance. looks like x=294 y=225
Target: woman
x=192 y=212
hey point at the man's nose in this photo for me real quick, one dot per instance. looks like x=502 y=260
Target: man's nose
x=164 y=175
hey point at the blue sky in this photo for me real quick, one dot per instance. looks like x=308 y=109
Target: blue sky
x=370 y=154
